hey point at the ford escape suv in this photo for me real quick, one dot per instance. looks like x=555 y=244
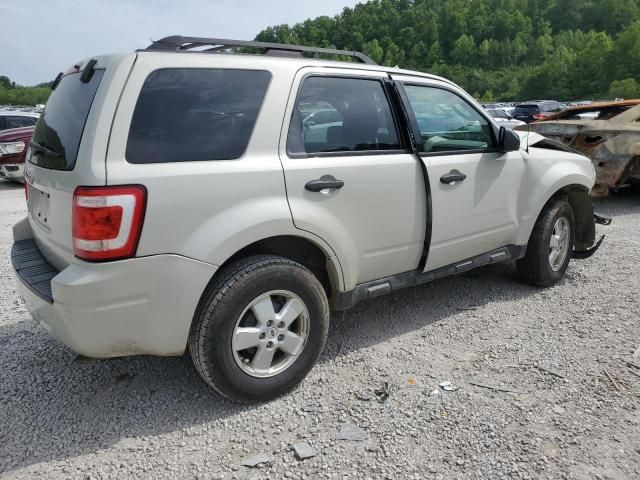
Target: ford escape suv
x=186 y=197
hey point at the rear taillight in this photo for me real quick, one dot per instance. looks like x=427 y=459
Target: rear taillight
x=107 y=221
x=539 y=116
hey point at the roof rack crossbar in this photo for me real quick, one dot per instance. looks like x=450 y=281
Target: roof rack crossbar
x=180 y=43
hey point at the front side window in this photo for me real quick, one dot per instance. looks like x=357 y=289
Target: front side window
x=447 y=122
x=195 y=114
x=335 y=114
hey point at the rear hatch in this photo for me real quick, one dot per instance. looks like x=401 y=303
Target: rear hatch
x=68 y=149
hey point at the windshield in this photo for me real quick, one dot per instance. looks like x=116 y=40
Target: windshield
x=526 y=110
x=57 y=136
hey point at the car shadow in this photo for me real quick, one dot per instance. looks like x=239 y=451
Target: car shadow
x=55 y=407
x=378 y=320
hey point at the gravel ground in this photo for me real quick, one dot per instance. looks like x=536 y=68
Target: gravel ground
x=562 y=402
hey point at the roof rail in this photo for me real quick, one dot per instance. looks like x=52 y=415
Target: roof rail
x=180 y=43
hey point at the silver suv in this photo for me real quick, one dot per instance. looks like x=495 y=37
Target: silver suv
x=184 y=197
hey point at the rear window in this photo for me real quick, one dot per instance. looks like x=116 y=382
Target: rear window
x=19 y=122
x=526 y=110
x=58 y=132
x=188 y=114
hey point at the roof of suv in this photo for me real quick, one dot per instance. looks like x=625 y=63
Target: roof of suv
x=276 y=52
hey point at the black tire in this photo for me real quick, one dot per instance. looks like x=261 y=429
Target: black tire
x=222 y=304
x=535 y=267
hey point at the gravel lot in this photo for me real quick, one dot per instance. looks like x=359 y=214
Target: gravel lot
x=557 y=413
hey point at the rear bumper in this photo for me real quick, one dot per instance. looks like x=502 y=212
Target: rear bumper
x=12 y=172
x=100 y=310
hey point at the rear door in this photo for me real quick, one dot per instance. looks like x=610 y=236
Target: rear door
x=350 y=177
x=474 y=187
x=68 y=149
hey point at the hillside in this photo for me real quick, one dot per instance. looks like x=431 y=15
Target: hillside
x=496 y=49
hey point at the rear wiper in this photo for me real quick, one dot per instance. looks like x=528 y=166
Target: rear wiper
x=43 y=149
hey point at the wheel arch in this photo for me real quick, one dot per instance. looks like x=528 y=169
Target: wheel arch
x=582 y=206
x=577 y=194
x=312 y=255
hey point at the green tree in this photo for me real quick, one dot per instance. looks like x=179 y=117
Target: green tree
x=373 y=50
x=513 y=49
x=626 y=52
x=464 y=50
x=627 y=88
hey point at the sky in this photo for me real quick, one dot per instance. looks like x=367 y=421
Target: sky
x=39 y=38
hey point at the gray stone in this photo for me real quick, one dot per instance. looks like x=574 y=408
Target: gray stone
x=303 y=450
x=256 y=461
x=353 y=433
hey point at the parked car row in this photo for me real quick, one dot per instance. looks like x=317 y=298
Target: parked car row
x=16 y=129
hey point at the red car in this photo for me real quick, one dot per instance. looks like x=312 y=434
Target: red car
x=13 y=151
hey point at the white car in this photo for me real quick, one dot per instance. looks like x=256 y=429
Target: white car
x=186 y=204
x=503 y=118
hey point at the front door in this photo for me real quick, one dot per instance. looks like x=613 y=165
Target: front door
x=350 y=177
x=474 y=187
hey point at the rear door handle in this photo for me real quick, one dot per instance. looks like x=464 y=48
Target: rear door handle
x=319 y=185
x=452 y=177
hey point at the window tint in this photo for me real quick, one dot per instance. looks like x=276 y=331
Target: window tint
x=526 y=110
x=18 y=122
x=60 y=126
x=189 y=114
x=341 y=115
x=447 y=122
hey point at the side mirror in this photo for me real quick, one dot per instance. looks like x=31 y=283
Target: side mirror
x=508 y=140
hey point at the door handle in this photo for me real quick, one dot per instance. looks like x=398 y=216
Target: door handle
x=452 y=177
x=321 y=184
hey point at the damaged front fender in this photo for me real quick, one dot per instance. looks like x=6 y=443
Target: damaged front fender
x=589 y=252
x=608 y=133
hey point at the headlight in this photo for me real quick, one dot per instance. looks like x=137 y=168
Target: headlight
x=11 y=148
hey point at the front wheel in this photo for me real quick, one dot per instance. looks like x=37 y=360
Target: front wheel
x=259 y=328
x=550 y=246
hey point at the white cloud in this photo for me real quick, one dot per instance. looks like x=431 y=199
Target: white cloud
x=39 y=38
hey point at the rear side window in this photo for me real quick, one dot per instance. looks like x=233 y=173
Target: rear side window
x=18 y=122
x=551 y=107
x=58 y=132
x=189 y=114
x=334 y=114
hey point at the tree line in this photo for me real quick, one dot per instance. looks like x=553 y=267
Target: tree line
x=496 y=49
x=12 y=94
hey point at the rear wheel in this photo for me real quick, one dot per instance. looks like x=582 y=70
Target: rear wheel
x=550 y=246
x=259 y=328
